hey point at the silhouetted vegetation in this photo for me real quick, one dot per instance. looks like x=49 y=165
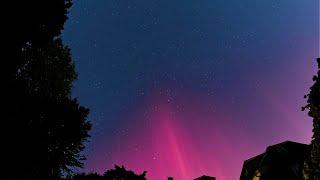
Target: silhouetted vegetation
x=121 y=173
x=47 y=127
x=312 y=164
x=118 y=173
x=34 y=22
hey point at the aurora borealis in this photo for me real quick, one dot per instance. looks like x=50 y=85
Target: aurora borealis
x=188 y=88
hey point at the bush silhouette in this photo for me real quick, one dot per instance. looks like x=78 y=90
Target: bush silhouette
x=118 y=173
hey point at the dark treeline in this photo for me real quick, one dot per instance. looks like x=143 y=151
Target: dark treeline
x=118 y=173
x=45 y=127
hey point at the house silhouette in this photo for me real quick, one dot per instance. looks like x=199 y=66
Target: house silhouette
x=279 y=162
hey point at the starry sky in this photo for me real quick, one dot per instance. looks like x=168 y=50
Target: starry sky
x=187 y=88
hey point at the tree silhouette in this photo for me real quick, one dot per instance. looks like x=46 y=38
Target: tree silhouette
x=312 y=164
x=47 y=71
x=47 y=127
x=34 y=22
x=118 y=173
x=52 y=127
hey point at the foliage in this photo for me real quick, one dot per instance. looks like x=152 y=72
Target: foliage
x=118 y=173
x=47 y=127
x=312 y=164
x=34 y=22
x=47 y=70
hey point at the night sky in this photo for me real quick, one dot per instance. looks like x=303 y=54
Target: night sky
x=187 y=88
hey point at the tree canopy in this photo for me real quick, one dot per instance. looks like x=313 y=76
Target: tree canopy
x=312 y=164
x=118 y=173
x=47 y=127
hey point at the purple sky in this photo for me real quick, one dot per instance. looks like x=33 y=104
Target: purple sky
x=187 y=88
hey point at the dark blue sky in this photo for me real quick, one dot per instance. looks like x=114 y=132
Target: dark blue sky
x=249 y=60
